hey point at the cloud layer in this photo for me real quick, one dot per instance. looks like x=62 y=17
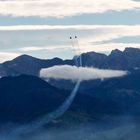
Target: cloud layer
x=54 y=39
x=82 y=73
x=63 y=8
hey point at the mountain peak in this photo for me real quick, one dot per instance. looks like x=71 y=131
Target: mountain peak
x=95 y=54
x=26 y=59
x=56 y=59
x=130 y=49
x=116 y=51
x=24 y=56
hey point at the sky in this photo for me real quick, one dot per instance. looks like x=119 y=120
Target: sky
x=42 y=28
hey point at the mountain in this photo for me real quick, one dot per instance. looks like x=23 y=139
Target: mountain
x=124 y=91
x=129 y=60
x=93 y=59
x=24 y=64
x=29 y=65
x=126 y=60
x=120 y=60
x=24 y=98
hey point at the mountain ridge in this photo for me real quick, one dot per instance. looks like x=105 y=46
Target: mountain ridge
x=118 y=60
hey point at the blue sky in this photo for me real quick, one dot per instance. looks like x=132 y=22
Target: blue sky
x=42 y=28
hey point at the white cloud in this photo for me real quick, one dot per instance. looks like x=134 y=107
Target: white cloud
x=29 y=38
x=82 y=73
x=4 y=56
x=90 y=33
x=42 y=48
x=63 y=8
x=66 y=27
x=30 y=49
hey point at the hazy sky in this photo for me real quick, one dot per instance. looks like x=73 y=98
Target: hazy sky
x=42 y=27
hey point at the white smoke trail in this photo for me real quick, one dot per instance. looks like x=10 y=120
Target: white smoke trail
x=62 y=109
x=78 y=47
x=75 y=51
x=35 y=125
x=65 y=106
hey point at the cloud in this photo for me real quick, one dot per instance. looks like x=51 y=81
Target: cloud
x=108 y=47
x=63 y=8
x=4 y=56
x=52 y=40
x=37 y=48
x=82 y=73
x=90 y=33
x=64 y=27
x=101 y=48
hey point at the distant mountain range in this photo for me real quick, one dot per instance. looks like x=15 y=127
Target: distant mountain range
x=24 y=64
x=24 y=96
x=121 y=60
